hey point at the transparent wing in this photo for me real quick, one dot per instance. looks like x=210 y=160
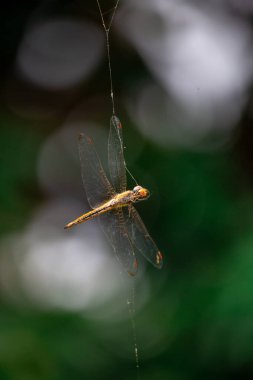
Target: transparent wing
x=112 y=224
x=116 y=159
x=140 y=237
x=97 y=186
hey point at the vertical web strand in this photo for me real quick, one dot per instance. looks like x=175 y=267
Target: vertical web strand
x=131 y=175
x=131 y=296
x=107 y=31
x=131 y=311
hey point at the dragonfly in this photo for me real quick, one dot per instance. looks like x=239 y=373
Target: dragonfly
x=113 y=204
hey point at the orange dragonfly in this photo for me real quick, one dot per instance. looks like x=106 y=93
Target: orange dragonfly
x=113 y=204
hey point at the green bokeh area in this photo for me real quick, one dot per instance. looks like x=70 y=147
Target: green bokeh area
x=198 y=321
x=19 y=145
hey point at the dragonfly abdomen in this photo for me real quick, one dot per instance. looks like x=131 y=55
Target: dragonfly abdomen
x=88 y=215
x=120 y=200
x=96 y=212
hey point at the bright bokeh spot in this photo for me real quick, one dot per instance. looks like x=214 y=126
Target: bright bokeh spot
x=199 y=57
x=56 y=54
x=72 y=270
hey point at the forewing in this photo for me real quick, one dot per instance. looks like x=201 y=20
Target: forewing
x=116 y=161
x=113 y=225
x=140 y=237
x=97 y=186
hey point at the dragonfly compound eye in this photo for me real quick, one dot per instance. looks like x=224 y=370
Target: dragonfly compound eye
x=144 y=193
x=136 y=189
x=140 y=192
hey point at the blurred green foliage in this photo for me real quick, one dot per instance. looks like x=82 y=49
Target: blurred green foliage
x=19 y=144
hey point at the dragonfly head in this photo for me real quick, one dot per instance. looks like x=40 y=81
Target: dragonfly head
x=140 y=193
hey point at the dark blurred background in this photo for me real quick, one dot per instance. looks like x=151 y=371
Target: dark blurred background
x=182 y=75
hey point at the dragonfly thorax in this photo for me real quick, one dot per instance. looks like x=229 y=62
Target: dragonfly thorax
x=140 y=193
